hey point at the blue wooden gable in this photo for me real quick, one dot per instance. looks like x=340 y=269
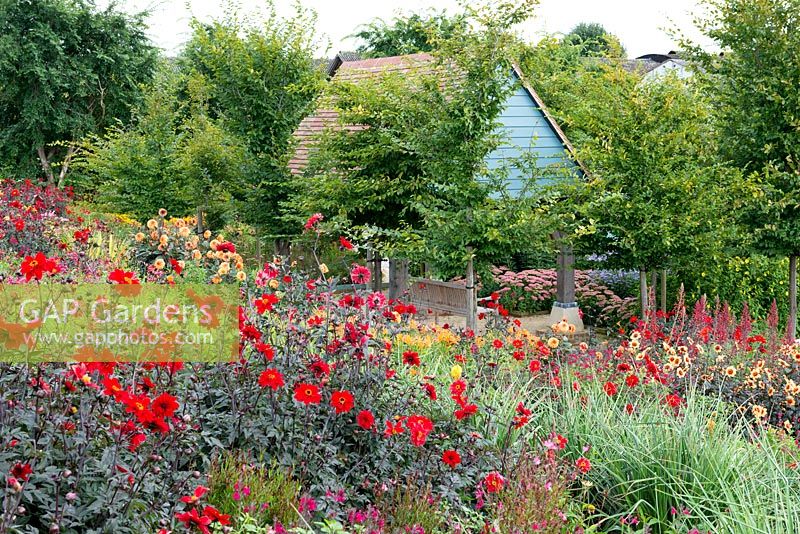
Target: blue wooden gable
x=526 y=128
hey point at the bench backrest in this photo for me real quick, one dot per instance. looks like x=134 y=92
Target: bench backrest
x=440 y=296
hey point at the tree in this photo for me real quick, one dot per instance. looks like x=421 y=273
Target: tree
x=66 y=70
x=594 y=41
x=656 y=198
x=172 y=156
x=754 y=87
x=407 y=35
x=261 y=80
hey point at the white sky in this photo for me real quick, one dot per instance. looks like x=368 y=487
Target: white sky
x=641 y=24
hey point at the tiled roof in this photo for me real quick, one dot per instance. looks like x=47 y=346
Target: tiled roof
x=348 y=70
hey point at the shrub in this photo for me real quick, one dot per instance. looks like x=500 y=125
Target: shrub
x=534 y=290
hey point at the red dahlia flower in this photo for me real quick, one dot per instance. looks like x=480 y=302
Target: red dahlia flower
x=583 y=464
x=342 y=401
x=21 y=471
x=451 y=458
x=610 y=388
x=199 y=491
x=307 y=393
x=493 y=482
x=271 y=378
x=365 y=419
x=164 y=405
x=192 y=519
x=410 y=358
x=119 y=276
x=360 y=274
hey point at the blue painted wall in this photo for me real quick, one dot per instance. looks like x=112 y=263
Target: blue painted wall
x=525 y=129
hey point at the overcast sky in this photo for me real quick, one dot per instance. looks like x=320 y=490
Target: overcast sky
x=641 y=24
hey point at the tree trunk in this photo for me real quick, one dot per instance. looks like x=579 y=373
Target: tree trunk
x=643 y=291
x=792 y=326
x=44 y=159
x=65 y=165
x=282 y=248
x=258 y=251
x=664 y=290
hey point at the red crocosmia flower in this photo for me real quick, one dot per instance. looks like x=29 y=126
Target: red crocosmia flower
x=199 y=491
x=493 y=482
x=360 y=274
x=21 y=471
x=313 y=220
x=583 y=465
x=430 y=390
x=610 y=388
x=410 y=358
x=164 y=405
x=674 y=400
x=535 y=366
x=632 y=381
x=192 y=520
x=176 y=266
x=271 y=378
x=342 y=401
x=266 y=303
x=215 y=515
x=119 y=276
x=393 y=428
x=365 y=419
x=451 y=458
x=347 y=245
x=307 y=393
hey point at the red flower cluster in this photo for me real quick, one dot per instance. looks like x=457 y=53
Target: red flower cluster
x=419 y=427
x=39 y=265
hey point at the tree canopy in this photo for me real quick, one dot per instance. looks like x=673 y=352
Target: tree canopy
x=753 y=84
x=67 y=69
x=594 y=41
x=409 y=34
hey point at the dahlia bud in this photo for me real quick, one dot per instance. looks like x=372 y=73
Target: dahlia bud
x=54 y=529
x=71 y=496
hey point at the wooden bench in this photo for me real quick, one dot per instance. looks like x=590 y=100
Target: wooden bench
x=445 y=297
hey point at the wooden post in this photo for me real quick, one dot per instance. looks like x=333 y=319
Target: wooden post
x=200 y=228
x=643 y=291
x=664 y=290
x=398 y=277
x=377 y=275
x=472 y=301
x=792 y=325
x=565 y=305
